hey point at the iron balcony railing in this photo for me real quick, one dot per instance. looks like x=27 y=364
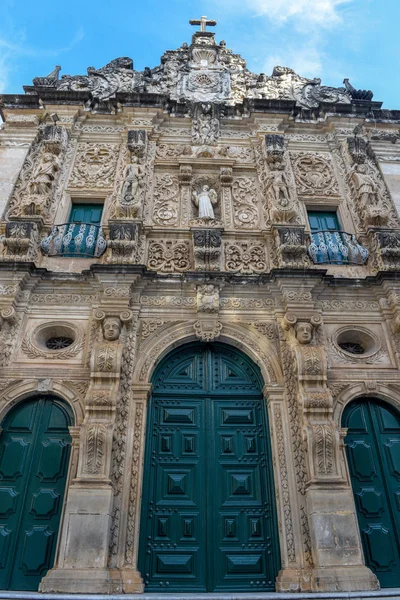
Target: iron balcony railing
x=336 y=247
x=75 y=239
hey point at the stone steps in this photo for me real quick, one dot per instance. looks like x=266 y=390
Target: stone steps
x=390 y=594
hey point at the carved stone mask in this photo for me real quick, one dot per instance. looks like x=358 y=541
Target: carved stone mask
x=304 y=333
x=111 y=329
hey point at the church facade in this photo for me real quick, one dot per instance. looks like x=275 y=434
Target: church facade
x=200 y=330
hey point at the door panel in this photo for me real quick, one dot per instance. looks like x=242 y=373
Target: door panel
x=373 y=452
x=34 y=456
x=208 y=509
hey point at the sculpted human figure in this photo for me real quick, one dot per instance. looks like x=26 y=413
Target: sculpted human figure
x=205 y=201
x=131 y=183
x=278 y=184
x=303 y=332
x=207 y=299
x=111 y=329
x=366 y=186
x=44 y=174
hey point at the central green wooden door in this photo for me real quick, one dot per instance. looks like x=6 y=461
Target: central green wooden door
x=34 y=458
x=208 y=518
x=373 y=452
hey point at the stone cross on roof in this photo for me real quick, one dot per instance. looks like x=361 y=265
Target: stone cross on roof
x=203 y=22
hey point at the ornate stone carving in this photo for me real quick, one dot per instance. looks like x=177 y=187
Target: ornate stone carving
x=207 y=249
x=129 y=200
x=31 y=347
x=291 y=246
x=166 y=196
x=283 y=472
x=94 y=166
x=137 y=142
x=207 y=331
x=33 y=193
x=21 y=241
x=95 y=449
x=245 y=257
x=322 y=434
x=314 y=174
x=206 y=122
x=374 y=210
x=123 y=242
x=169 y=256
x=207 y=298
x=387 y=249
x=245 y=203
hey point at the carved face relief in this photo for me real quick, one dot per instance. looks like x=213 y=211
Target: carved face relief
x=111 y=329
x=304 y=332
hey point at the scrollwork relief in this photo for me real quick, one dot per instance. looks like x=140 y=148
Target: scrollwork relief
x=169 y=256
x=94 y=166
x=245 y=257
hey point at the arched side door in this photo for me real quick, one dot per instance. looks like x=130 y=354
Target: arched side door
x=208 y=512
x=373 y=453
x=35 y=448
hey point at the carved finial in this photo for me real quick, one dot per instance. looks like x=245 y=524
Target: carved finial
x=203 y=22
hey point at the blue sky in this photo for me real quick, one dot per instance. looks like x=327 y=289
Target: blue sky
x=331 y=39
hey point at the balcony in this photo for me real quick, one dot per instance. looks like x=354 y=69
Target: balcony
x=337 y=248
x=75 y=240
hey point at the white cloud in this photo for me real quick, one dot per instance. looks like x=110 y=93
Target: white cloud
x=4 y=71
x=321 y=13
x=306 y=61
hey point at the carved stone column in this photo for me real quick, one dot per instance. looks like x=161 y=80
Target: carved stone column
x=185 y=181
x=127 y=549
x=83 y=550
x=226 y=180
x=337 y=560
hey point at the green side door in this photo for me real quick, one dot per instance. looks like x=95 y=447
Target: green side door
x=209 y=518
x=373 y=453
x=34 y=457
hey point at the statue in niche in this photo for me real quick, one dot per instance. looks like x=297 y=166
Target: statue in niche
x=278 y=184
x=44 y=174
x=130 y=187
x=205 y=200
x=111 y=329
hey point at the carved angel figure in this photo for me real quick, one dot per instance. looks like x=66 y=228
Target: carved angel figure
x=205 y=201
x=131 y=183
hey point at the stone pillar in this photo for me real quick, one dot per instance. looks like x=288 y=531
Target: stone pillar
x=127 y=550
x=335 y=545
x=82 y=564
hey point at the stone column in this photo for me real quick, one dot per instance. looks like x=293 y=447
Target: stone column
x=127 y=550
x=330 y=515
x=84 y=543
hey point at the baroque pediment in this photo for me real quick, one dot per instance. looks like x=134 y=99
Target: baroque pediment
x=203 y=71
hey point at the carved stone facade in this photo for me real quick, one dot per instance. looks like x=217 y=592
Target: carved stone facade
x=207 y=177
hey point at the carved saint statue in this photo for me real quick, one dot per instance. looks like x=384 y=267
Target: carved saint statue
x=130 y=187
x=278 y=185
x=44 y=174
x=205 y=201
x=111 y=329
x=366 y=187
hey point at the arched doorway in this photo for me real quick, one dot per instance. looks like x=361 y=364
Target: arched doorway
x=208 y=513
x=373 y=454
x=34 y=456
